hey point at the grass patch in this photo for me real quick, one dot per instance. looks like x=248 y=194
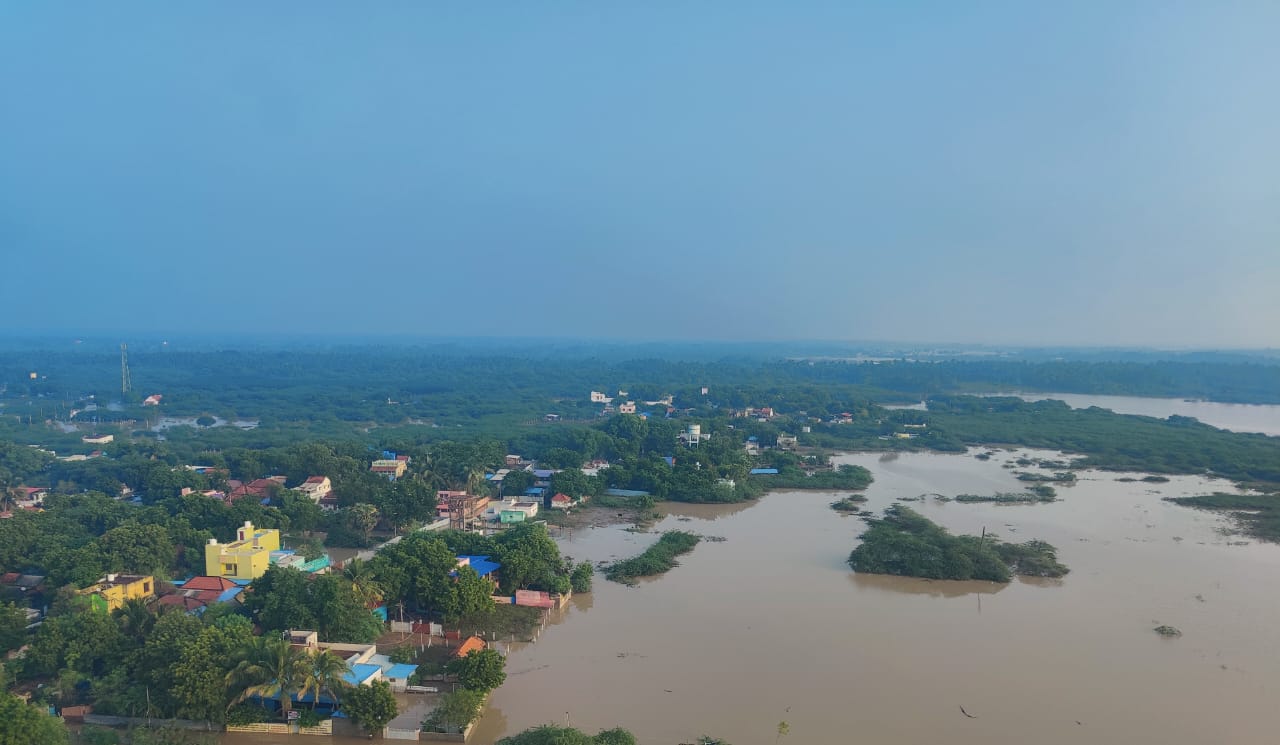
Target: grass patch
x=907 y=544
x=657 y=559
x=1256 y=515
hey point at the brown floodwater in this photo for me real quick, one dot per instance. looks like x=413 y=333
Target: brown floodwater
x=771 y=626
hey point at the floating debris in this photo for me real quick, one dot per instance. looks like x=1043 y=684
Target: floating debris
x=1168 y=631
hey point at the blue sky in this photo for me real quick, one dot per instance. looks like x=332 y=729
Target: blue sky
x=1069 y=173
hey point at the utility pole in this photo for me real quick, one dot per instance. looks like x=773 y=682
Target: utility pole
x=125 y=384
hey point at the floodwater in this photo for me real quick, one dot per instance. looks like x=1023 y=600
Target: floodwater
x=1264 y=418
x=771 y=626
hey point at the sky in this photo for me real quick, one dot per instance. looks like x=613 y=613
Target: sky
x=1084 y=173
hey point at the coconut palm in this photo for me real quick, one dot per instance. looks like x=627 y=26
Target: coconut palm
x=476 y=482
x=135 y=618
x=268 y=667
x=325 y=674
x=363 y=581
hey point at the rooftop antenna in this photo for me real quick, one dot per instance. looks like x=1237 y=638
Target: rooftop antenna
x=125 y=385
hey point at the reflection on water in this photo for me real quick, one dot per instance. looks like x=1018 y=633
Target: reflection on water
x=771 y=625
x=701 y=511
x=913 y=586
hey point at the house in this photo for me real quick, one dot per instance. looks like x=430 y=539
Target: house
x=518 y=512
x=316 y=488
x=392 y=468
x=483 y=566
x=257 y=489
x=598 y=397
x=294 y=560
x=111 y=591
x=594 y=467
x=513 y=461
x=96 y=439
x=471 y=507
x=197 y=593
x=627 y=408
x=31 y=495
x=152 y=400
x=562 y=501
x=786 y=442
x=247 y=557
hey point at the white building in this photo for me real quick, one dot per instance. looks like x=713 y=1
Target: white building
x=316 y=487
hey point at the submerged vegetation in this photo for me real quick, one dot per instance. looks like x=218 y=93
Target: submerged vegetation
x=849 y=503
x=907 y=544
x=1256 y=515
x=657 y=559
x=1035 y=494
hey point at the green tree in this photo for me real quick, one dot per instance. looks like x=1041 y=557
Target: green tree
x=474 y=594
x=580 y=577
x=325 y=674
x=13 y=627
x=362 y=518
x=549 y=734
x=280 y=599
x=23 y=724
x=270 y=668
x=199 y=675
x=364 y=581
x=371 y=706
x=481 y=670
x=455 y=711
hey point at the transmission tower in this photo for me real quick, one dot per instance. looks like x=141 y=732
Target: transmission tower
x=125 y=384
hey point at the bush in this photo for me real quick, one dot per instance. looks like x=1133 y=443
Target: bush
x=907 y=544
x=248 y=714
x=580 y=577
x=657 y=559
x=455 y=711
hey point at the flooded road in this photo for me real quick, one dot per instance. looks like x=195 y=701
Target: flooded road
x=772 y=626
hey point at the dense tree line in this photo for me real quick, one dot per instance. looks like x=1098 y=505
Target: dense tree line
x=905 y=543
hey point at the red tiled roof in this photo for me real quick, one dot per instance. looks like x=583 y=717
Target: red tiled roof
x=315 y=480
x=9 y=578
x=184 y=601
x=209 y=583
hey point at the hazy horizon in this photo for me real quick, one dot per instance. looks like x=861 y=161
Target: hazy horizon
x=1009 y=175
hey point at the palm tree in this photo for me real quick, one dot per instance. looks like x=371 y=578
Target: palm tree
x=325 y=673
x=363 y=581
x=135 y=618
x=268 y=667
x=476 y=482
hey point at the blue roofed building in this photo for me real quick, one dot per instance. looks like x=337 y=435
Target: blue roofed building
x=483 y=566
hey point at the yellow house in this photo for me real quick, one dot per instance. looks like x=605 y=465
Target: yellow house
x=247 y=557
x=111 y=591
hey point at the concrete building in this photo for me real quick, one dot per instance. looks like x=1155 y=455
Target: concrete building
x=111 y=591
x=392 y=469
x=247 y=557
x=627 y=408
x=96 y=439
x=316 y=487
x=787 y=442
x=518 y=512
